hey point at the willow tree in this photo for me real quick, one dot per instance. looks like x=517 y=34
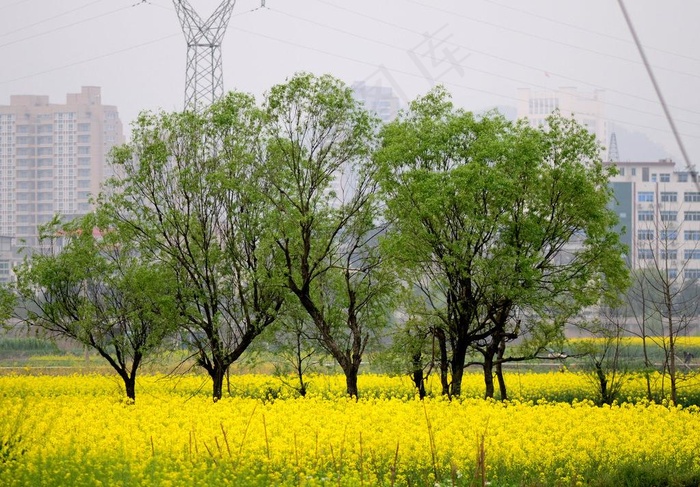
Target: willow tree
x=484 y=216
x=318 y=176
x=186 y=193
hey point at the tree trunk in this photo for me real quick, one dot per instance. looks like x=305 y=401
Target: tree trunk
x=499 y=371
x=417 y=376
x=459 y=356
x=444 y=362
x=299 y=362
x=130 y=386
x=647 y=364
x=120 y=366
x=672 y=358
x=302 y=384
x=351 y=381
x=488 y=376
x=217 y=375
x=602 y=384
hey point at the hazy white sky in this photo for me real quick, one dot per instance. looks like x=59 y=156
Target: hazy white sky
x=481 y=50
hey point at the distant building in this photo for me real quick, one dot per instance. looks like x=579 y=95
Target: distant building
x=586 y=107
x=659 y=207
x=379 y=100
x=6 y=248
x=53 y=158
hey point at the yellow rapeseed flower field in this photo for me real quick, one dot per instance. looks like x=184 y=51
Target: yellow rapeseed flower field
x=76 y=430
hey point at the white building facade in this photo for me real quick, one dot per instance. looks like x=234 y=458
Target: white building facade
x=659 y=208
x=587 y=108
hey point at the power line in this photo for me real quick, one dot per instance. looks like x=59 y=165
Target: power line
x=419 y=76
x=583 y=29
x=105 y=55
x=462 y=66
x=657 y=88
x=510 y=61
x=13 y=4
x=88 y=60
x=573 y=46
x=51 y=31
x=49 y=19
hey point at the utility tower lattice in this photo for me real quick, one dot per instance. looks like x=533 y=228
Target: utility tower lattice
x=613 y=154
x=204 y=82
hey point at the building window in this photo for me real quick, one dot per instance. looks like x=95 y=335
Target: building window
x=672 y=273
x=691 y=273
x=25 y=140
x=25 y=163
x=664 y=178
x=691 y=234
x=669 y=254
x=693 y=216
x=691 y=254
x=669 y=197
x=669 y=216
x=25 y=184
x=645 y=254
x=668 y=235
x=25 y=174
x=645 y=235
x=682 y=177
x=634 y=171
x=691 y=196
x=84 y=139
x=645 y=197
x=648 y=216
x=622 y=171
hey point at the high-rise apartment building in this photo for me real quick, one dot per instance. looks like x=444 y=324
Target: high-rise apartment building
x=659 y=208
x=379 y=100
x=53 y=158
x=586 y=107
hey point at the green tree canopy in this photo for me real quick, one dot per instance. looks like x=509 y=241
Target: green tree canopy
x=496 y=222
x=189 y=196
x=91 y=285
x=319 y=179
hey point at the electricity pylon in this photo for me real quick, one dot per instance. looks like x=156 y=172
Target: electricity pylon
x=204 y=82
x=613 y=154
